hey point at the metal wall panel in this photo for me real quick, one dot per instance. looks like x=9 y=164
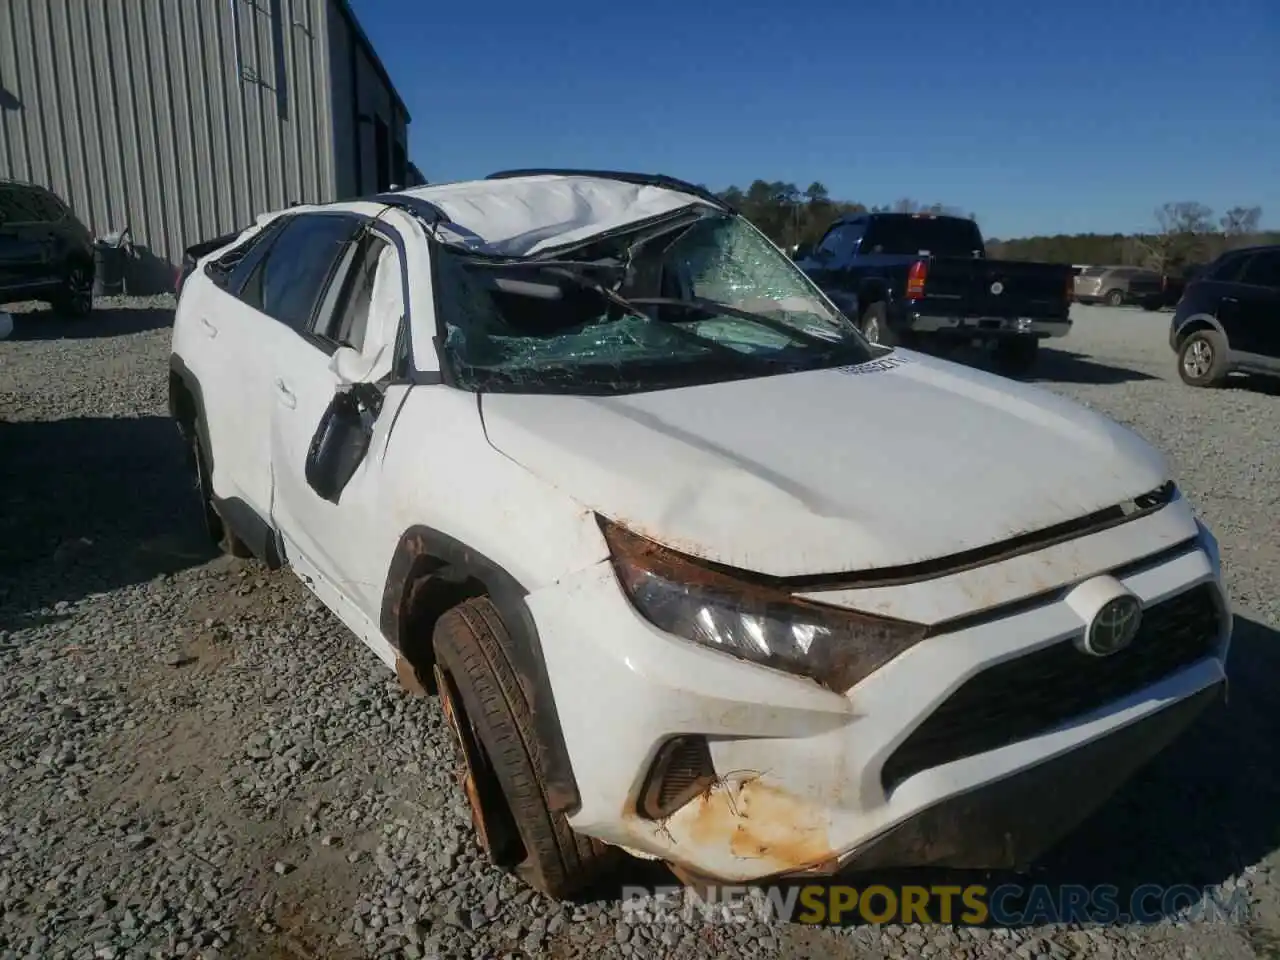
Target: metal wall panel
x=182 y=119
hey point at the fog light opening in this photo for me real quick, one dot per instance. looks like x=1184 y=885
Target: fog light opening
x=681 y=771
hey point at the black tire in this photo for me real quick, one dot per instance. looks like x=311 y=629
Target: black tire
x=874 y=324
x=1203 y=359
x=1016 y=356
x=1114 y=298
x=497 y=738
x=75 y=299
x=1151 y=306
x=219 y=533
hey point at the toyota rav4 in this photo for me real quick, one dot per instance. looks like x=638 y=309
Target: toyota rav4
x=697 y=571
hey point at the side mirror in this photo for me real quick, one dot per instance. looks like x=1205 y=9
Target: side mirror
x=340 y=442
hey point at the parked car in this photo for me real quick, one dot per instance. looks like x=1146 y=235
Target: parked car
x=1173 y=285
x=697 y=571
x=45 y=252
x=921 y=277
x=1229 y=318
x=1117 y=286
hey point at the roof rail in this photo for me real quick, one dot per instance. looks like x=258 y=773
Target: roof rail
x=423 y=209
x=643 y=179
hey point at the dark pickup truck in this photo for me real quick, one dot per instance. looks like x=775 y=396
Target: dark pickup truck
x=911 y=278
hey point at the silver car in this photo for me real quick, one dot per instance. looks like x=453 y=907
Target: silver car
x=1115 y=286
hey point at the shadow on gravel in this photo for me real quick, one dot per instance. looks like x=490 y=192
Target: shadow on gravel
x=1197 y=815
x=1059 y=366
x=1254 y=383
x=90 y=504
x=103 y=322
x=1052 y=366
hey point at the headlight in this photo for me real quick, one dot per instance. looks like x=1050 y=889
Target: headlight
x=724 y=610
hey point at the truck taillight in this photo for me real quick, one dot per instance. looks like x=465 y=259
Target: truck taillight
x=915 y=280
x=1071 y=287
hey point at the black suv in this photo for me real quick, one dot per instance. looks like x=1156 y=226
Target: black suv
x=1229 y=318
x=45 y=252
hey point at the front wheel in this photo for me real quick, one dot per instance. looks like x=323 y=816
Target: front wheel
x=1016 y=356
x=1202 y=359
x=1114 y=298
x=486 y=706
x=75 y=299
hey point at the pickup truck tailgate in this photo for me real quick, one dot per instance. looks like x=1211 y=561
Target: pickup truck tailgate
x=998 y=288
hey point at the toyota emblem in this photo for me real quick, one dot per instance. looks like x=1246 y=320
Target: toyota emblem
x=997 y=288
x=1113 y=627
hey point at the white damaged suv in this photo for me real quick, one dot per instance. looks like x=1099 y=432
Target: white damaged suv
x=697 y=571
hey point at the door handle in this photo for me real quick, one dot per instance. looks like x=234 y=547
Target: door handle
x=286 y=395
x=209 y=329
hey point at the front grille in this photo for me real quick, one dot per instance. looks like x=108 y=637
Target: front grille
x=1032 y=694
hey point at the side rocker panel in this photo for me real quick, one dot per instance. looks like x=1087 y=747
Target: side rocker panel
x=424 y=551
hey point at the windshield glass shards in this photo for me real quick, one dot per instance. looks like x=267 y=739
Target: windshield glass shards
x=672 y=305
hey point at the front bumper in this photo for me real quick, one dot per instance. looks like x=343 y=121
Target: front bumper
x=800 y=783
x=986 y=326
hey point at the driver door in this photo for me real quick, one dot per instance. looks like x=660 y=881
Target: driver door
x=346 y=353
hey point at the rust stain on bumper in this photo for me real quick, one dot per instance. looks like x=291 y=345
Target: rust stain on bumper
x=746 y=819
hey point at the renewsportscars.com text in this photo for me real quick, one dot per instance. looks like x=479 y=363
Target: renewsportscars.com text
x=970 y=905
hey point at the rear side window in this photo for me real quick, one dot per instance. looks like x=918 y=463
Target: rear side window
x=294 y=273
x=841 y=240
x=1263 y=269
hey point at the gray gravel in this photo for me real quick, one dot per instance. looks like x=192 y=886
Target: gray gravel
x=197 y=760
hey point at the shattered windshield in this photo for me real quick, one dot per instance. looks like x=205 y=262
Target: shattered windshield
x=695 y=302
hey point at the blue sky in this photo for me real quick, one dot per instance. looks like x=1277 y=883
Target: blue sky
x=1040 y=116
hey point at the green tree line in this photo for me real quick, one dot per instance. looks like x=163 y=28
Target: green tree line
x=1183 y=233
x=789 y=215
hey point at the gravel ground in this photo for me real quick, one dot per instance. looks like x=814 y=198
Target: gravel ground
x=197 y=760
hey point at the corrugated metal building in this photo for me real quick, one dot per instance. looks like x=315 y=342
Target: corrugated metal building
x=185 y=119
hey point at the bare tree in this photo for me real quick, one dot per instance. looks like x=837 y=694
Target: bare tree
x=1241 y=221
x=906 y=205
x=1180 y=237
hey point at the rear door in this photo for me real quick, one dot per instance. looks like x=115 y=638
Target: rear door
x=1250 y=310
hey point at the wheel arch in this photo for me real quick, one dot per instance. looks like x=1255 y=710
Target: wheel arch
x=1196 y=323
x=431 y=572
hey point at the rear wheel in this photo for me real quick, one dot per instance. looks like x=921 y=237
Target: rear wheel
x=1016 y=356
x=875 y=326
x=1114 y=298
x=1202 y=359
x=502 y=774
x=75 y=299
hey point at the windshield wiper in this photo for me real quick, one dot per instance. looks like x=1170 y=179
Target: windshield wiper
x=711 y=307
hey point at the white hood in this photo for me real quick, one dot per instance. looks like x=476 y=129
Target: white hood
x=904 y=459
